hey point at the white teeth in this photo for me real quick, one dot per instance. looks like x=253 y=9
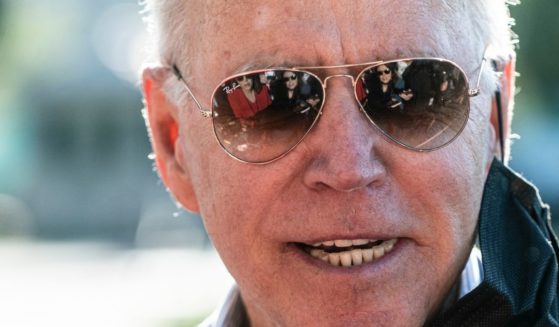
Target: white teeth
x=354 y=257
x=378 y=251
x=343 y=243
x=389 y=245
x=359 y=242
x=357 y=257
x=334 y=259
x=345 y=258
x=368 y=255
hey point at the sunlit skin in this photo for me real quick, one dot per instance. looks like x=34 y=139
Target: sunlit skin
x=344 y=181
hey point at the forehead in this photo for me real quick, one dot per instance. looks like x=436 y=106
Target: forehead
x=254 y=34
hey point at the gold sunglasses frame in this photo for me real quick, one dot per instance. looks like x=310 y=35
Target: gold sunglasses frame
x=472 y=92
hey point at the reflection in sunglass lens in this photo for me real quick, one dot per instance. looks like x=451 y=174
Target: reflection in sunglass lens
x=424 y=106
x=266 y=121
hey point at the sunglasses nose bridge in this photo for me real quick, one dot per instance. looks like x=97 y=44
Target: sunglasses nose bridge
x=338 y=75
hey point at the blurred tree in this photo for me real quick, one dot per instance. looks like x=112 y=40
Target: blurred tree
x=2 y=9
x=538 y=52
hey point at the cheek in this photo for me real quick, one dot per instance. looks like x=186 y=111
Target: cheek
x=231 y=200
x=443 y=190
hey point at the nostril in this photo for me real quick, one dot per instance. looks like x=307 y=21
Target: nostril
x=344 y=174
x=351 y=180
x=343 y=149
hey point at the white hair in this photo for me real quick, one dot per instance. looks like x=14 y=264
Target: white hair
x=167 y=22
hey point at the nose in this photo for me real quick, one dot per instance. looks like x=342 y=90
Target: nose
x=343 y=144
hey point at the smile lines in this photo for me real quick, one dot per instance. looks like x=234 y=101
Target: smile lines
x=350 y=253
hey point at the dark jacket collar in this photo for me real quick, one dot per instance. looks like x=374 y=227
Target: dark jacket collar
x=519 y=251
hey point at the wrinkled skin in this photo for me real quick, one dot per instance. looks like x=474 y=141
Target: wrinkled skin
x=344 y=181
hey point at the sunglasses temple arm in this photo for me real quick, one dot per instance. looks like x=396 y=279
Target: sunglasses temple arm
x=177 y=73
x=500 y=123
x=499 y=106
x=475 y=91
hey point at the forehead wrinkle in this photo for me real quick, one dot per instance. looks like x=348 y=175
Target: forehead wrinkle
x=430 y=28
x=258 y=65
x=274 y=56
x=440 y=30
x=387 y=38
x=235 y=23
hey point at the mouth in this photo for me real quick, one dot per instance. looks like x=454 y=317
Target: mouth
x=349 y=253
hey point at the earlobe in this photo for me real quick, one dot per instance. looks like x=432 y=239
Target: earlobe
x=163 y=124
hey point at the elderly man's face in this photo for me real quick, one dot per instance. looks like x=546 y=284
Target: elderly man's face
x=345 y=181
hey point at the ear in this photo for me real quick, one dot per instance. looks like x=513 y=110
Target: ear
x=162 y=120
x=506 y=97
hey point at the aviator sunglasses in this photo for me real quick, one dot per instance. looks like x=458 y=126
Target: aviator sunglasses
x=384 y=72
x=423 y=107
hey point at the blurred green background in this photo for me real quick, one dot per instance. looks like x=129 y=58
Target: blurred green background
x=73 y=146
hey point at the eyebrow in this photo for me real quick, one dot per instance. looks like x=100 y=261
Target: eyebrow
x=257 y=65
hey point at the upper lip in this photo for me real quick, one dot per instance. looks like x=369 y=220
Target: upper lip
x=370 y=237
x=344 y=243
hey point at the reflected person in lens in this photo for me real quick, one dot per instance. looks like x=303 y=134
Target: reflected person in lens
x=385 y=88
x=286 y=93
x=349 y=218
x=248 y=97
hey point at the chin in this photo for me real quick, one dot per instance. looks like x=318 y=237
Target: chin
x=355 y=317
x=343 y=309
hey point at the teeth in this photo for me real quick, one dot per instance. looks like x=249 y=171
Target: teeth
x=354 y=257
x=345 y=258
x=357 y=257
x=389 y=245
x=319 y=254
x=334 y=259
x=360 y=242
x=378 y=251
x=343 y=243
x=368 y=255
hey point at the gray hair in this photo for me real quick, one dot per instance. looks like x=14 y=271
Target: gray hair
x=167 y=21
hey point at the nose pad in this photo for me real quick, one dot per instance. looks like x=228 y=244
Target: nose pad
x=343 y=144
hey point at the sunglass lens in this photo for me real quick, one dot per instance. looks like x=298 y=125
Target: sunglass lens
x=260 y=118
x=424 y=105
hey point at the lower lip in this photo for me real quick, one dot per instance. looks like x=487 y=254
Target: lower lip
x=383 y=265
